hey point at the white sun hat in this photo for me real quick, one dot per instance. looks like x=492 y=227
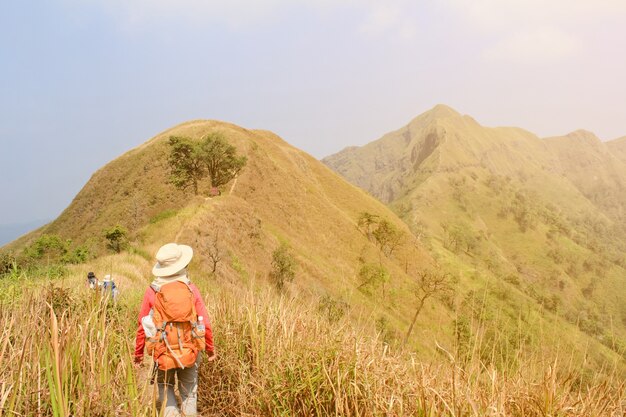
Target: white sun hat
x=172 y=258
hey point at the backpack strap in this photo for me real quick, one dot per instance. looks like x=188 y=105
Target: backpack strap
x=174 y=355
x=157 y=287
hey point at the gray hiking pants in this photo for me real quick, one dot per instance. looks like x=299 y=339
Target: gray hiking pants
x=187 y=387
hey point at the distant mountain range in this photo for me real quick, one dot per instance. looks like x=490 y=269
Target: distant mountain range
x=541 y=218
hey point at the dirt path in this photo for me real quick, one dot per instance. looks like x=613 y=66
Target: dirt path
x=232 y=187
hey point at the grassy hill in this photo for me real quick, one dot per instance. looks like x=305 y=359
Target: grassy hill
x=282 y=196
x=531 y=224
x=333 y=341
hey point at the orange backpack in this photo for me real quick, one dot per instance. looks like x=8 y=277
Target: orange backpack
x=178 y=339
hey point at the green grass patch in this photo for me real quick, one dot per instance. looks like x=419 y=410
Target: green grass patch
x=165 y=214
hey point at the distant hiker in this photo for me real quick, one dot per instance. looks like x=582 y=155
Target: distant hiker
x=109 y=287
x=174 y=319
x=92 y=281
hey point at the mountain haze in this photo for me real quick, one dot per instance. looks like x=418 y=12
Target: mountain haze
x=618 y=148
x=494 y=207
x=491 y=282
x=596 y=170
x=444 y=141
x=516 y=213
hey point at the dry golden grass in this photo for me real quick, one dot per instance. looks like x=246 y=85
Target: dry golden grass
x=278 y=357
x=66 y=352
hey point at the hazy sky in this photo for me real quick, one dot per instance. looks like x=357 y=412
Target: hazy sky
x=83 y=81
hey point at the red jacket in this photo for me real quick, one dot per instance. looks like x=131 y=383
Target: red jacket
x=148 y=303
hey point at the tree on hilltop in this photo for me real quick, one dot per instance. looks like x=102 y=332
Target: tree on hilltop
x=220 y=159
x=191 y=161
x=186 y=163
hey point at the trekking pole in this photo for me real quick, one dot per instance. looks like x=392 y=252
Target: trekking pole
x=154 y=372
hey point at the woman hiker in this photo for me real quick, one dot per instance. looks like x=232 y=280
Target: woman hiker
x=109 y=289
x=92 y=281
x=174 y=319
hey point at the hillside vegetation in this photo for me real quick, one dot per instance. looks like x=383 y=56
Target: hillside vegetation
x=282 y=197
x=332 y=341
x=531 y=224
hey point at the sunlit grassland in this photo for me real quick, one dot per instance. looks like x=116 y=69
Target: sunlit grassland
x=65 y=351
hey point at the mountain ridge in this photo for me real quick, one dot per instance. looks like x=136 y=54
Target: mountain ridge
x=618 y=147
x=430 y=143
x=528 y=281
x=542 y=216
x=491 y=206
x=282 y=195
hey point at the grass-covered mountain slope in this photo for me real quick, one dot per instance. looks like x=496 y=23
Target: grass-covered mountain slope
x=532 y=224
x=283 y=195
x=332 y=342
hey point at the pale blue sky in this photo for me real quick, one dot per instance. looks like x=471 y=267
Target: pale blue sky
x=82 y=82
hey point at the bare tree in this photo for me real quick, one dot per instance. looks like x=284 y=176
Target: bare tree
x=211 y=246
x=428 y=284
x=214 y=252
